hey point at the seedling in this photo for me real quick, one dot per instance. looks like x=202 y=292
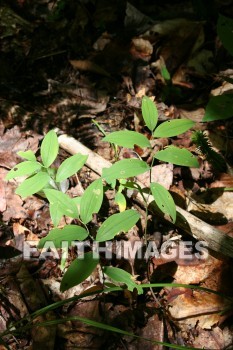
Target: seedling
x=44 y=178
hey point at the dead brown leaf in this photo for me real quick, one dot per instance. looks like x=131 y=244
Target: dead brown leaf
x=213 y=337
x=3 y=173
x=223 y=180
x=85 y=65
x=14 y=204
x=141 y=48
x=162 y=173
x=154 y=329
x=199 y=307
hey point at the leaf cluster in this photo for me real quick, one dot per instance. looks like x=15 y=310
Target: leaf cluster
x=42 y=177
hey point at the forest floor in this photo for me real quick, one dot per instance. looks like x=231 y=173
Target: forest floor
x=83 y=66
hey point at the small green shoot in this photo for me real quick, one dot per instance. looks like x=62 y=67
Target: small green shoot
x=149 y=113
x=117 y=223
x=122 y=276
x=91 y=201
x=79 y=270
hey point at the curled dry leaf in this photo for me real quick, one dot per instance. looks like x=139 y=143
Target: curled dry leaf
x=141 y=48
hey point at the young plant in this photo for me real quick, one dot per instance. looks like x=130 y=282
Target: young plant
x=44 y=178
x=170 y=93
x=42 y=175
x=127 y=168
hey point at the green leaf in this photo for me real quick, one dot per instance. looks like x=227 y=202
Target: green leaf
x=33 y=185
x=56 y=213
x=122 y=276
x=49 y=148
x=70 y=166
x=60 y=204
x=149 y=113
x=127 y=138
x=77 y=200
x=165 y=73
x=79 y=270
x=121 y=201
x=25 y=168
x=69 y=234
x=29 y=155
x=124 y=168
x=164 y=200
x=117 y=223
x=178 y=156
x=218 y=108
x=91 y=200
x=173 y=127
x=225 y=32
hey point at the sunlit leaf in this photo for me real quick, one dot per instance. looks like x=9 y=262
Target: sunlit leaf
x=218 y=108
x=225 y=32
x=163 y=200
x=70 y=166
x=121 y=201
x=91 y=200
x=68 y=234
x=79 y=270
x=127 y=138
x=117 y=223
x=33 y=185
x=49 y=148
x=56 y=213
x=77 y=200
x=149 y=113
x=122 y=276
x=173 y=127
x=60 y=204
x=124 y=168
x=29 y=155
x=179 y=156
x=25 y=168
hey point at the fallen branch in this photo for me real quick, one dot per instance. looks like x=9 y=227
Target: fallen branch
x=197 y=228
